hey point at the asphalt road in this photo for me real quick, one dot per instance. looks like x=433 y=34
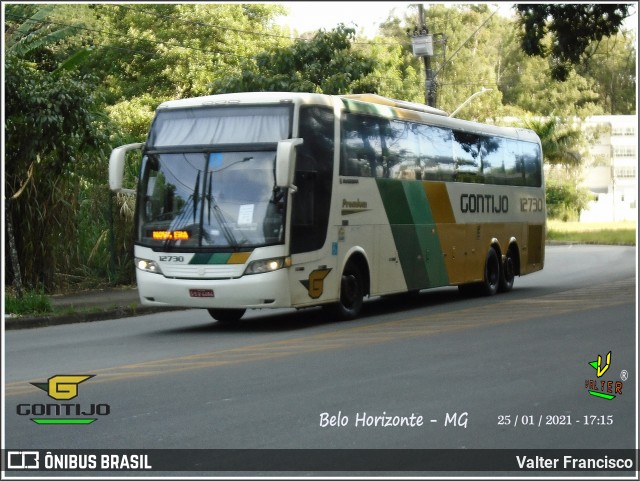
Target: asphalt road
x=506 y=372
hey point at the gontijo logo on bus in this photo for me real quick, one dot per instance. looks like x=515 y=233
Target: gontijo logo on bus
x=484 y=204
x=63 y=387
x=601 y=388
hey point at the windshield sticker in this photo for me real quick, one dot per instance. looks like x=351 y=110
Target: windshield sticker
x=245 y=214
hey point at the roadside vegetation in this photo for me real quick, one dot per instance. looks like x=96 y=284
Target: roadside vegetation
x=30 y=303
x=607 y=233
x=604 y=233
x=81 y=79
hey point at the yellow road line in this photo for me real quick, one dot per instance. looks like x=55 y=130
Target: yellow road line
x=499 y=312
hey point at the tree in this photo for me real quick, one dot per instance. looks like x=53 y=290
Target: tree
x=613 y=73
x=324 y=64
x=50 y=123
x=468 y=61
x=561 y=146
x=159 y=52
x=563 y=32
x=560 y=143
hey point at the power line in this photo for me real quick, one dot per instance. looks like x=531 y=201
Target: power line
x=157 y=42
x=237 y=30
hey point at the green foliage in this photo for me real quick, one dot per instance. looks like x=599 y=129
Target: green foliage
x=560 y=142
x=324 y=64
x=572 y=28
x=565 y=200
x=81 y=79
x=169 y=51
x=54 y=137
x=32 y=302
x=611 y=69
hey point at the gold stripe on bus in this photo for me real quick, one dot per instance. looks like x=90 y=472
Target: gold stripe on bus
x=238 y=257
x=465 y=247
x=439 y=202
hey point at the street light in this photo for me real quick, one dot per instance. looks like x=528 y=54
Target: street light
x=480 y=92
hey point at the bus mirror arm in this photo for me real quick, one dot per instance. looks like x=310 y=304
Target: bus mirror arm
x=286 y=163
x=116 y=167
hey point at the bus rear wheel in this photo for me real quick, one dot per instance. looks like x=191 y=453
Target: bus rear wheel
x=491 y=279
x=508 y=272
x=227 y=316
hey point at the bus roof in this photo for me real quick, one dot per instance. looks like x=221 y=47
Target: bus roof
x=245 y=98
x=411 y=109
x=378 y=99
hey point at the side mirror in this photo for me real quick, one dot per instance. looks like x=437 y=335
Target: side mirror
x=116 y=167
x=286 y=162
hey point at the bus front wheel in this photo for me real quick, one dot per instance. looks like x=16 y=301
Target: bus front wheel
x=226 y=315
x=351 y=294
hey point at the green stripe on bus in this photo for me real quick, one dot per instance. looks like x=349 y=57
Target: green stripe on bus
x=414 y=233
x=220 y=258
x=208 y=258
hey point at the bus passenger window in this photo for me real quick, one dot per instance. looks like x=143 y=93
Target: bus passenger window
x=361 y=147
x=402 y=147
x=466 y=149
x=532 y=164
x=436 y=148
x=492 y=152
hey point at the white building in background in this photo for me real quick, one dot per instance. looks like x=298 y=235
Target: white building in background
x=611 y=172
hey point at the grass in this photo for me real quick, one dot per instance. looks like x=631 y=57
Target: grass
x=609 y=233
x=32 y=302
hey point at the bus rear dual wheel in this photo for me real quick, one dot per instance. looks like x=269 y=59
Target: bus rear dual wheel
x=497 y=277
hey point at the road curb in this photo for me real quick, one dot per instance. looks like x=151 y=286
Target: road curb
x=14 y=323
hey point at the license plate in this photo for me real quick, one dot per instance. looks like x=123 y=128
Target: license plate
x=201 y=292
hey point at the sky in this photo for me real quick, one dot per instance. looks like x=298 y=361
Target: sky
x=367 y=16
x=309 y=16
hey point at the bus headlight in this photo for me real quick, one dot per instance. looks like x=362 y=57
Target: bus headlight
x=148 y=266
x=268 y=265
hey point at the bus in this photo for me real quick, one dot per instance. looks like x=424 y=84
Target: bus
x=291 y=200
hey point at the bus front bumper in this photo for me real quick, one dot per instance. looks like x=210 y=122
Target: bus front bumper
x=257 y=291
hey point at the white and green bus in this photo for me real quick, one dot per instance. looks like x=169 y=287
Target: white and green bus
x=271 y=200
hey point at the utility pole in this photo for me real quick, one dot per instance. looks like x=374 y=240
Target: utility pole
x=422 y=43
x=428 y=73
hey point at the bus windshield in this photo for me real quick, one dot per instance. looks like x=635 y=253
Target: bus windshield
x=210 y=200
x=207 y=179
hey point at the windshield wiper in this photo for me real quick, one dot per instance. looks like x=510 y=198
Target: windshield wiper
x=222 y=221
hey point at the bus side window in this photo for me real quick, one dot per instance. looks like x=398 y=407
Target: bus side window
x=514 y=167
x=361 y=148
x=532 y=165
x=402 y=148
x=436 y=148
x=466 y=149
x=492 y=151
